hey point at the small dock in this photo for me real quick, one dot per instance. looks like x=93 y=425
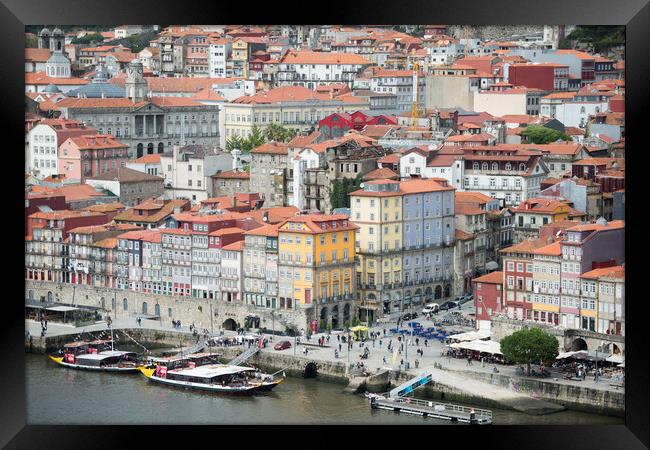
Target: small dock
x=425 y=408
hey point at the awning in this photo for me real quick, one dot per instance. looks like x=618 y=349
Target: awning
x=63 y=308
x=616 y=359
x=564 y=355
x=491 y=347
x=622 y=364
x=359 y=328
x=471 y=335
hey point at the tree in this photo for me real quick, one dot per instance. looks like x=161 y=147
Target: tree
x=88 y=38
x=529 y=346
x=537 y=134
x=234 y=142
x=255 y=139
x=31 y=41
x=279 y=133
x=600 y=37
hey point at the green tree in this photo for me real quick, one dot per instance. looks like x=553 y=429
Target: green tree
x=599 y=37
x=31 y=42
x=529 y=346
x=234 y=142
x=537 y=134
x=336 y=194
x=255 y=139
x=279 y=133
x=88 y=38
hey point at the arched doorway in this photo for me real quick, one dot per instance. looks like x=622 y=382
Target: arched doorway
x=144 y=308
x=578 y=344
x=157 y=310
x=150 y=148
x=418 y=297
x=407 y=300
x=30 y=295
x=140 y=151
x=438 y=292
x=311 y=370
x=103 y=302
x=386 y=303
x=113 y=305
x=428 y=294
x=346 y=313
x=397 y=302
x=125 y=304
x=161 y=147
x=49 y=296
x=323 y=318
x=448 y=291
x=335 y=316
x=230 y=325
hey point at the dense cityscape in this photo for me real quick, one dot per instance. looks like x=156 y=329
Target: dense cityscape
x=308 y=180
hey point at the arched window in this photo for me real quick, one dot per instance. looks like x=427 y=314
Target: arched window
x=125 y=304
x=484 y=166
x=475 y=166
x=508 y=166
x=144 y=308
x=150 y=148
x=161 y=147
x=522 y=167
x=495 y=166
x=157 y=309
x=140 y=147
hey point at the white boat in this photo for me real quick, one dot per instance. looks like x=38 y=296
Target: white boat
x=222 y=378
x=104 y=361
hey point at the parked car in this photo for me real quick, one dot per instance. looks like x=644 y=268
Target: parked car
x=431 y=308
x=468 y=298
x=451 y=304
x=282 y=345
x=410 y=316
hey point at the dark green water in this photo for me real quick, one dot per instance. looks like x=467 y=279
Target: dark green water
x=56 y=395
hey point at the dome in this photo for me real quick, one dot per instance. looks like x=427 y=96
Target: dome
x=101 y=76
x=57 y=32
x=58 y=57
x=52 y=89
x=44 y=32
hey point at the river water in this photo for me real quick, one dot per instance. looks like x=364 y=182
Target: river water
x=56 y=395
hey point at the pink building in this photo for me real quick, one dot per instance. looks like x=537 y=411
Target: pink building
x=91 y=155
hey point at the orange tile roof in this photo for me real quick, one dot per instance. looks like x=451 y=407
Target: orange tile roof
x=309 y=57
x=105 y=207
x=467 y=210
x=612 y=225
x=224 y=231
x=527 y=246
x=381 y=174
x=266 y=230
x=105 y=227
x=233 y=174
x=463 y=235
x=37 y=54
x=96 y=141
x=553 y=249
x=106 y=243
x=312 y=221
x=41 y=78
x=492 y=278
x=304 y=141
x=272 y=147
x=148 y=159
x=72 y=192
x=235 y=246
x=606 y=272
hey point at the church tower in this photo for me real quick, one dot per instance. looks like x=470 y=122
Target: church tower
x=57 y=41
x=44 y=38
x=135 y=84
x=58 y=65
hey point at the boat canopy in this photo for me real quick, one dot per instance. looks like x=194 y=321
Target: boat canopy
x=212 y=371
x=104 y=355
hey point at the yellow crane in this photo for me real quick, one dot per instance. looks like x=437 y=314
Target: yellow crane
x=415 y=108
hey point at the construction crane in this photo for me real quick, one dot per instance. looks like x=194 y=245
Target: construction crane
x=415 y=108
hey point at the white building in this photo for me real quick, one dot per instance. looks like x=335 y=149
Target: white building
x=232 y=272
x=310 y=69
x=187 y=171
x=218 y=55
x=401 y=84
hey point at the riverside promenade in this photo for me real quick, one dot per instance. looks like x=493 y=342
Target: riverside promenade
x=452 y=376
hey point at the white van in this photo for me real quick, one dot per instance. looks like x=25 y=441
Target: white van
x=430 y=308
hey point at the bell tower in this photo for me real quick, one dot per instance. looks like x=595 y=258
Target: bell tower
x=135 y=84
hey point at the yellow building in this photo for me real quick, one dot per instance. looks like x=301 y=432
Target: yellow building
x=547 y=262
x=317 y=263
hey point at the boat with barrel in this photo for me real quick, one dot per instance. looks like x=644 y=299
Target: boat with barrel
x=96 y=355
x=220 y=378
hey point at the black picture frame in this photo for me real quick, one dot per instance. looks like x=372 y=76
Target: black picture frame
x=14 y=14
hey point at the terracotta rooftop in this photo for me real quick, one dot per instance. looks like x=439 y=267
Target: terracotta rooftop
x=606 y=272
x=126 y=175
x=492 y=278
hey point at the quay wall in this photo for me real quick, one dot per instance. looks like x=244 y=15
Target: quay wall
x=575 y=397
x=213 y=314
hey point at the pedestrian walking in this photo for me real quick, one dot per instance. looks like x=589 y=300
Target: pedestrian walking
x=469 y=360
x=417 y=341
x=426 y=342
x=45 y=324
x=417 y=363
x=340 y=346
x=384 y=360
x=379 y=343
x=384 y=332
x=338 y=337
